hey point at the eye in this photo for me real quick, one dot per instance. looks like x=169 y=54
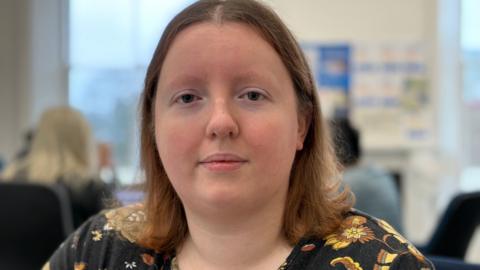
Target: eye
x=186 y=98
x=253 y=96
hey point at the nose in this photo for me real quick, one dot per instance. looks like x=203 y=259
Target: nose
x=222 y=123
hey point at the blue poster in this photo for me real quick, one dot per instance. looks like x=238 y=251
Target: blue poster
x=333 y=71
x=331 y=67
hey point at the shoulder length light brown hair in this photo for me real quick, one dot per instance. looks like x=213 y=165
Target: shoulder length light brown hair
x=314 y=204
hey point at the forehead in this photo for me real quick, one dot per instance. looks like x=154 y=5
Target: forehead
x=227 y=47
x=212 y=32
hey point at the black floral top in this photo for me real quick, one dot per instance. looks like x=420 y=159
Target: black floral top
x=107 y=242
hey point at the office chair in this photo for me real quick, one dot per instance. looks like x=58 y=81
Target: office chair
x=456 y=228
x=35 y=219
x=443 y=263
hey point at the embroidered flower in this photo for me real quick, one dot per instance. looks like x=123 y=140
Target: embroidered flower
x=350 y=231
x=359 y=233
x=347 y=262
x=97 y=235
x=130 y=265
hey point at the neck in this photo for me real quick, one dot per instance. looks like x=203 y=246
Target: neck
x=255 y=241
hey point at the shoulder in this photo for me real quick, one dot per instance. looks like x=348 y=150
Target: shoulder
x=107 y=240
x=127 y=222
x=363 y=242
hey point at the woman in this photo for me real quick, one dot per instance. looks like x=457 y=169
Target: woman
x=63 y=154
x=239 y=169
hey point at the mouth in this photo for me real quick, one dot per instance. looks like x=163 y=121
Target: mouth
x=222 y=162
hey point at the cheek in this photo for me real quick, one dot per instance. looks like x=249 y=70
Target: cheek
x=174 y=142
x=275 y=138
x=274 y=149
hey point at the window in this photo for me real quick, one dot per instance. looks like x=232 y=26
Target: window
x=111 y=43
x=470 y=52
x=470 y=44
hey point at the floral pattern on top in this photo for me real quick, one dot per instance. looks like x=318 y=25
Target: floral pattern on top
x=351 y=231
x=347 y=262
x=354 y=229
x=108 y=242
x=128 y=221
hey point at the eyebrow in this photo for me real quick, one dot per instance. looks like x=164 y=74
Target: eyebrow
x=247 y=76
x=183 y=79
x=254 y=76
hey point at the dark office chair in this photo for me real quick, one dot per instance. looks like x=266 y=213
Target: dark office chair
x=442 y=263
x=456 y=228
x=35 y=219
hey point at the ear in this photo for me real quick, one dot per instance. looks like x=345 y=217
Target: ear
x=303 y=126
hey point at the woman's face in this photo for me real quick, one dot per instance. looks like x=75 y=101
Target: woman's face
x=226 y=121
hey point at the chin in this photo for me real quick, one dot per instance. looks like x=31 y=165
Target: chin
x=225 y=201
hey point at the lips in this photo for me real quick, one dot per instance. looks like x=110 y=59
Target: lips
x=222 y=162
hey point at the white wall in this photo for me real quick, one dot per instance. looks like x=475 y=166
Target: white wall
x=349 y=20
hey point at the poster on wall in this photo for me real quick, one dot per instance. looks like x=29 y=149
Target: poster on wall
x=382 y=88
x=391 y=98
x=331 y=67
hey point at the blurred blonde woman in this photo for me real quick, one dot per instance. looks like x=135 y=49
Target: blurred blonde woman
x=63 y=153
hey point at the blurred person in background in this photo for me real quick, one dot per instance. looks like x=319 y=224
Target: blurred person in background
x=374 y=188
x=63 y=153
